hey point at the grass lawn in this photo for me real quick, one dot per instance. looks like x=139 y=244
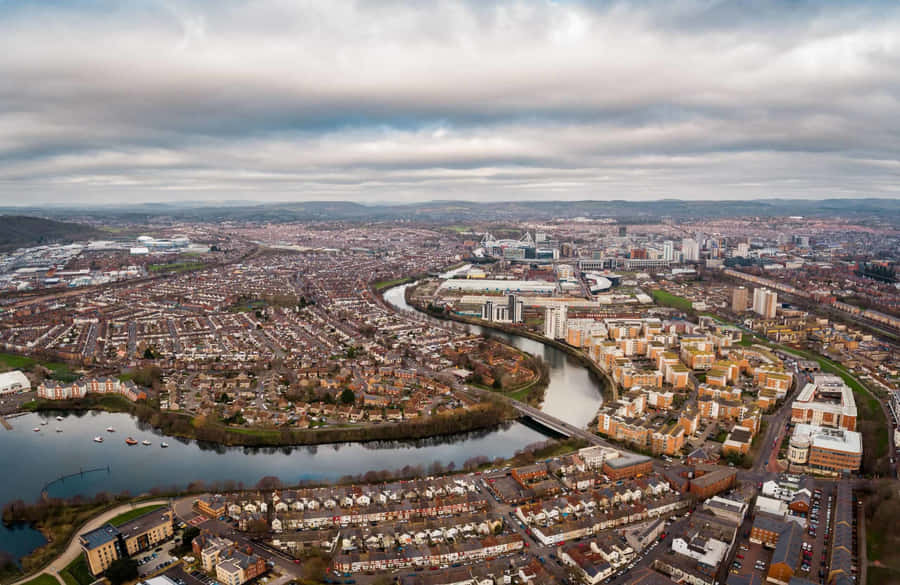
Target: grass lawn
x=77 y=573
x=265 y=433
x=668 y=299
x=43 y=580
x=748 y=339
x=132 y=514
x=59 y=371
x=11 y=361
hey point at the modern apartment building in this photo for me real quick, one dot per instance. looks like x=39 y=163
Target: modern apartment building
x=765 y=302
x=739 y=299
x=108 y=543
x=827 y=402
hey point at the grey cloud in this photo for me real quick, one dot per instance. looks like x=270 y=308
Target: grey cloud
x=441 y=99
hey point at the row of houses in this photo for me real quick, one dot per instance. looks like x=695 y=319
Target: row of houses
x=51 y=390
x=434 y=556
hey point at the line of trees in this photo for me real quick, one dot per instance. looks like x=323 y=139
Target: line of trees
x=485 y=415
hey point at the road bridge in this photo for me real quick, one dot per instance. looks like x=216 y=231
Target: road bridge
x=546 y=420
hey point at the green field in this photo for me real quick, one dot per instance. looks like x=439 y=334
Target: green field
x=43 y=579
x=10 y=361
x=667 y=299
x=58 y=370
x=77 y=573
x=132 y=514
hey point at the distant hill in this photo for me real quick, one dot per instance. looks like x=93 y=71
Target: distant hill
x=17 y=231
x=881 y=211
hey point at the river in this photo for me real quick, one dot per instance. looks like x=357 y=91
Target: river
x=32 y=460
x=572 y=395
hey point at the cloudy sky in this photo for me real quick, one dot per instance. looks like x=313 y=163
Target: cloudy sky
x=403 y=101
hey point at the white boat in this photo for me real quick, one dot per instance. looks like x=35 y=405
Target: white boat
x=164 y=445
x=110 y=430
x=59 y=418
x=98 y=439
x=58 y=430
x=36 y=429
x=146 y=443
x=43 y=422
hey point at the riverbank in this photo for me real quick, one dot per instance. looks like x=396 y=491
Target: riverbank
x=60 y=523
x=610 y=389
x=482 y=416
x=65 y=519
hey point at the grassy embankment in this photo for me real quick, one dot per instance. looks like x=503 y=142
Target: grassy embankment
x=132 y=514
x=386 y=284
x=77 y=573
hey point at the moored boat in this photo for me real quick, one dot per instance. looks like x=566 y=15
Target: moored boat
x=164 y=445
x=146 y=443
x=110 y=430
x=130 y=441
x=58 y=430
x=36 y=429
x=59 y=418
x=98 y=439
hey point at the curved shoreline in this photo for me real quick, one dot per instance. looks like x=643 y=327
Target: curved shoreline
x=408 y=431
x=416 y=430
x=583 y=360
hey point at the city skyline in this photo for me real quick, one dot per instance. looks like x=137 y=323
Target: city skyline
x=452 y=100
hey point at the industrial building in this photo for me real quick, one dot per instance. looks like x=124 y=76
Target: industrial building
x=466 y=285
x=14 y=382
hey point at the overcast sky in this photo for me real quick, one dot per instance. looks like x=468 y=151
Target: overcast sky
x=395 y=101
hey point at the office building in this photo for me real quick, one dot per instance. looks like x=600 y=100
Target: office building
x=108 y=543
x=739 y=298
x=824 y=449
x=743 y=250
x=765 y=302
